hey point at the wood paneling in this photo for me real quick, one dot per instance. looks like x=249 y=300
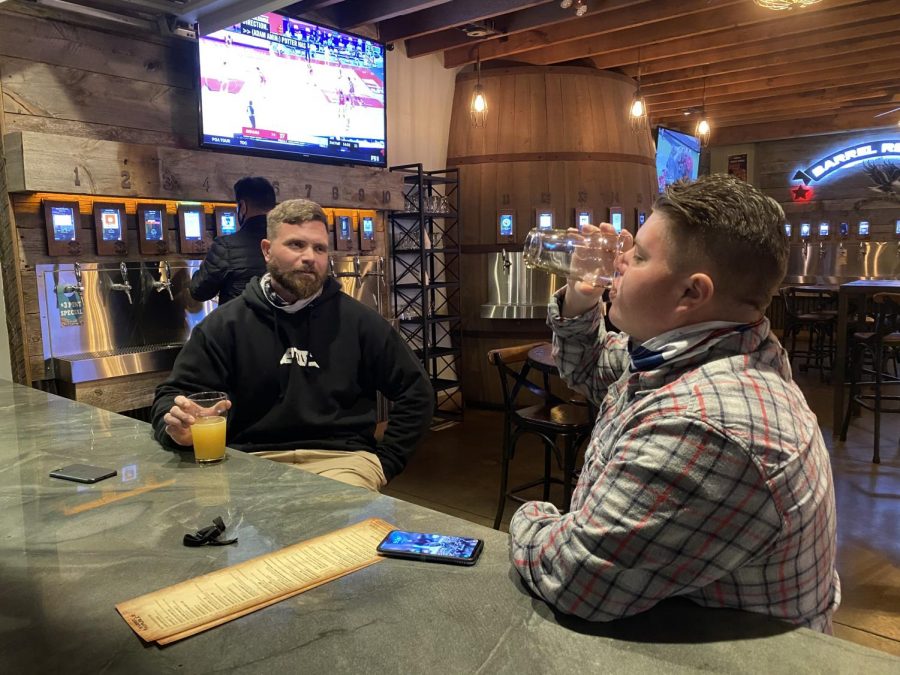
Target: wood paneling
x=118 y=393
x=846 y=196
x=50 y=163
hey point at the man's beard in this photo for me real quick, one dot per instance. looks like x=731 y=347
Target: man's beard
x=296 y=282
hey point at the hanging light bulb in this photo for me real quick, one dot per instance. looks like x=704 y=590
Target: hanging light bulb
x=703 y=130
x=478 y=107
x=637 y=113
x=580 y=7
x=785 y=4
x=565 y=4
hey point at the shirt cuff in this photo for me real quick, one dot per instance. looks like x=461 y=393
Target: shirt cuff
x=571 y=326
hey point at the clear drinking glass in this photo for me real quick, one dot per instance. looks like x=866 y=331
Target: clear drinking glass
x=209 y=429
x=590 y=258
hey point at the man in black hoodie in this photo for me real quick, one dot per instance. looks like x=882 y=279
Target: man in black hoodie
x=236 y=258
x=301 y=363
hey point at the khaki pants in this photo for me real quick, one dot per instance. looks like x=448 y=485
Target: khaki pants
x=360 y=468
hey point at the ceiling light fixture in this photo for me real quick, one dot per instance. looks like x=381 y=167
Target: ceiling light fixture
x=703 y=130
x=478 y=107
x=637 y=113
x=785 y=4
x=581 y=6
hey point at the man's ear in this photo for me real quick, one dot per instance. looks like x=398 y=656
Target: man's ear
x=698 y=291
x=266 y=247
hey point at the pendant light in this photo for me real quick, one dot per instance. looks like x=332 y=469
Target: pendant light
x=703 y=130
x=637 y=112
x=478 y=107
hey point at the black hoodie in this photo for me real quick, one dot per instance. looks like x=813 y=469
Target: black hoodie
x=304 y=380
x=232 y=261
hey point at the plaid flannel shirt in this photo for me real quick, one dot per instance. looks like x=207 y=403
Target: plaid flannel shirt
x=705 y=477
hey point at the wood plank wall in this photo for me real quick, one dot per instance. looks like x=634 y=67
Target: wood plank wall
x=848 y=195
x=102 y=112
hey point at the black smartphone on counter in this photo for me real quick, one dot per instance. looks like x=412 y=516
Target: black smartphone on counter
x=431 y=547
x=83 y=473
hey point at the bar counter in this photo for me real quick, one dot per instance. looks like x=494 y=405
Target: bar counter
x=70 y=552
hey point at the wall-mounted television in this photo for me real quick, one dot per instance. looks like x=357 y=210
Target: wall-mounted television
x=277 y=86
x=677 y=157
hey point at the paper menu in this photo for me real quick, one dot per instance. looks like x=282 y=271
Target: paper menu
x=192 y=606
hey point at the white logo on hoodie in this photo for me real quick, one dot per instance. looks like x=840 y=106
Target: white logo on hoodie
x=299 y=356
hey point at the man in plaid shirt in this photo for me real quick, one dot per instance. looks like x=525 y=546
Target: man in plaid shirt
x=706 y=476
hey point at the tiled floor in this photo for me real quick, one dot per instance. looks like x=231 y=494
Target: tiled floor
x=457 y=472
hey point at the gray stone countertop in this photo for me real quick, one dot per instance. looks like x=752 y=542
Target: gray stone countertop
x=64 y=566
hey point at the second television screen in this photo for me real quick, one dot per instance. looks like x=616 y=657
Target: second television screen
x=281 y=86
x=677 y=157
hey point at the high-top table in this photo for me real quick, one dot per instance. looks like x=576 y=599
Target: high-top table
x=850 y=295
x=70 y=552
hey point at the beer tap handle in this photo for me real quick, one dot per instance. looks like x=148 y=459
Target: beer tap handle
x=168 y=271
x=77 y=267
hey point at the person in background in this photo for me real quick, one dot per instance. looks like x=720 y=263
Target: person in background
x=302 y=363
x=706 y=476
x=234 y=259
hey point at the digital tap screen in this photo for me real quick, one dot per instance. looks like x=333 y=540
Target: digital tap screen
x=344 y=227
x=616 y=218
x=153 y=224
x=63 y=219
x=804 y=230
x=863 y=228
x=111 y=222
x=787 y=229
x=584 y=218
x=897 y=228
x=545 y=220
x=824 y=229
x=368 y=227
x=845 y=229
x=641 y=218
x=228 y=222
x=192 y=225
x=506 y=225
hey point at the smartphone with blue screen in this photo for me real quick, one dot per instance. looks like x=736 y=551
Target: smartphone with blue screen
x=431 y=547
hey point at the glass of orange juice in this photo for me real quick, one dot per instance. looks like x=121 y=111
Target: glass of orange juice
x=209 y=429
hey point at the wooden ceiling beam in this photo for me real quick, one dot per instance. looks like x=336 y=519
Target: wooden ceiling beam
x=786 y=28
x=662 y=12
x=353 y=13
x=458 y=13
x=829 y=78
x=715 y=20
x=789 y=64
x=546 y=14
x=799 y=127
x=801 y=101
x=769 y=53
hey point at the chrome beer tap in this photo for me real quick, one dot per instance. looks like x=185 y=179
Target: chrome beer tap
x=78 y=286
x=507 y=263
x=125 y=287
x=165 y=279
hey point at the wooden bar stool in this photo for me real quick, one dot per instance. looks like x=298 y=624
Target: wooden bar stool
x=882 y=341
x=813 y=311
x=555 y=421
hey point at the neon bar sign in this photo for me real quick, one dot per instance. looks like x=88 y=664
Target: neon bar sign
x=848 y=157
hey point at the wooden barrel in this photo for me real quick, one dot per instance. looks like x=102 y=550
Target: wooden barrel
x=556 y=138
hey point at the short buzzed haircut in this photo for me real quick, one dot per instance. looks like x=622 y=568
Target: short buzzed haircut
x=256 y=191
x=726 y=226
x=295 y=212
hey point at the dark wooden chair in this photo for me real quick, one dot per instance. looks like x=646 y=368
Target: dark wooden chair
x=815 y=313
x=875 y=347
x=558 y=423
